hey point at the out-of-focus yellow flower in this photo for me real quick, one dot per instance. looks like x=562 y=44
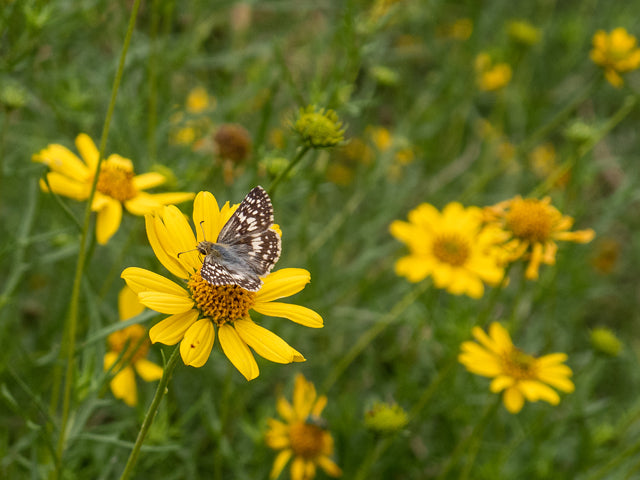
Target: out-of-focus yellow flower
x=452 y=246
x=616 y=52
x=134 y=339
x=523 y=32
x=519 y=375
x=117 y=185
x=381 y=137
x=199 y=100
x=533 y=227
x=461 y=29
x=491 y=76
x=302 y=435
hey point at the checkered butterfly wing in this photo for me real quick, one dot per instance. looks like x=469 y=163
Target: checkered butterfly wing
x=247 y=247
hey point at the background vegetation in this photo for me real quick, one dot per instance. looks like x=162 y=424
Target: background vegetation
x=407 y=67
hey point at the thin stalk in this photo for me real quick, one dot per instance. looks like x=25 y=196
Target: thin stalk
x=151 y=412
x=477 y=432
x=385 y=443
x=152 y=68
x=376 y=329
x=72 y=320
x=301 y=153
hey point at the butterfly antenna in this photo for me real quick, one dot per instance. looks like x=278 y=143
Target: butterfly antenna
x=186 y=251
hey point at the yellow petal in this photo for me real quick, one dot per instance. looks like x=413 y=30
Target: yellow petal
x=156 y=233
x=283 y=283
x=108 y=221
x=298 y=469
x=206 y=216
x=128 y=304
x=176 y=236
x=265 y=343
x=304 y=397
x=165 y=302
x=172 y=329
x=237 y=352
x=513 y=400
x=171 y=197
x=317 y=409
x=148 y=180
x=296 y=313
x=285 y=410
x=197 y=343
x=141 y=280
x=147 y=370
x=142 y=204
x=62 y=160
x=88 y=151
x=123 y=386
x=67 y=187
x=279 y=463
x=329 y=466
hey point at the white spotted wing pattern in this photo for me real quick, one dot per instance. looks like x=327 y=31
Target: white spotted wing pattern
x=246 y=249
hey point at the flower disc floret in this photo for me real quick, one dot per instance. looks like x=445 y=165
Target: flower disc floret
x=222 y=303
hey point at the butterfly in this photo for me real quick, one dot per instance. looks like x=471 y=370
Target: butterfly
x=247 y=248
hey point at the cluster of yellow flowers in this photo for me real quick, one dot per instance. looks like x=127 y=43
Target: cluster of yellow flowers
x=462 y=249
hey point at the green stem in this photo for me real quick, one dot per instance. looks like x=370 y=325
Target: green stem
x=475 y=434
x=626 y=108
x=604 y=472
x=385 y=443
x=153 y=81
x=376 y=329
x=151 y=412
x=301 y=153
x=72 y=320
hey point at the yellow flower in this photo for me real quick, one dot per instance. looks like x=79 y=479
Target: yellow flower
x=520 y=375
x=117 y=184
x=319 y=128
x=302 y=436
x=198 y=100
x=616 y=52
x=490 y=76
x=134 y=339
x=533 y=227
x=452 y=246
x=200 y=307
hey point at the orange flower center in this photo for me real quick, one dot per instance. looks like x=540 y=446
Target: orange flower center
x=307 y=440
x=451 y=248
x=115 y=181
x=221 y=303
x=519 y=365
x=134 y=339
x=531 y=220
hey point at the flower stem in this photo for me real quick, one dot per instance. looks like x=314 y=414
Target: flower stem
x=151 y=412
x=301 y=153
x=475 y=436
x=376 y=329
x=72 y=320
x=384 y=443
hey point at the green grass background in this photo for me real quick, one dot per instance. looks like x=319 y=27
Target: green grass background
x=57 y=64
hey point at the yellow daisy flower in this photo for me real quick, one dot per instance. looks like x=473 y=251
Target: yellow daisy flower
x=302 y=436
x=134 y=339
x=491 y=76
x=616 y=52
x=200 y=307
x=533 y=227
x=453 y=247
x=520 y=375
x=117 y=185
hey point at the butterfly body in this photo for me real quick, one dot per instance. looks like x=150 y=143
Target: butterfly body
x=246 y=249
